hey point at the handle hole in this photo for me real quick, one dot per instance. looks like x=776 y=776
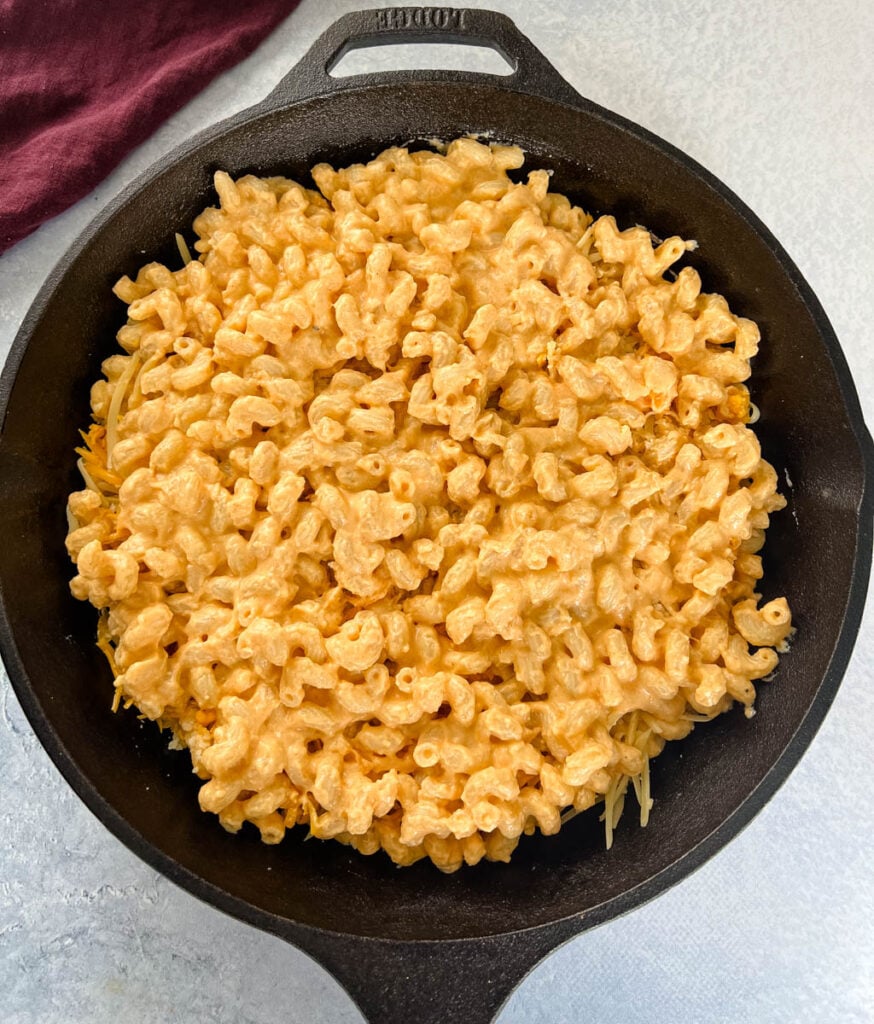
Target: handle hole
x=411 y=57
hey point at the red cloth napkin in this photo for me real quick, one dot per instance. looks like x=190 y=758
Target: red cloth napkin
x=82 y=82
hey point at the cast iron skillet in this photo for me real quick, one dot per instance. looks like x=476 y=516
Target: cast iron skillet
x=414 y=944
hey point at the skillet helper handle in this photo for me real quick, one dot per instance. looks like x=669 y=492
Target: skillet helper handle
x=532 y=72
x=445 y=982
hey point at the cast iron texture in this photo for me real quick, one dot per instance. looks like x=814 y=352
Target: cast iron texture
x=414 y=944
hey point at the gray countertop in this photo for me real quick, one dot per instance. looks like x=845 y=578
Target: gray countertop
x=775 y=99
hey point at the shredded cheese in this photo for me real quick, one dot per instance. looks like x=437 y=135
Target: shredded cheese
x=104 y=644
x=643 y=797
x=118 y=396
x=86 y=476
x=628 y=732
x=184 y=251
x=614 y=805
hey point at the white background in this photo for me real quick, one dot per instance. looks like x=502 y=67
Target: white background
x=775 y=99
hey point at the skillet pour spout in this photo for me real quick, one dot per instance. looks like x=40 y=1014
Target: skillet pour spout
x=415 y=945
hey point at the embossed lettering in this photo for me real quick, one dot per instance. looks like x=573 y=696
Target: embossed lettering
x=394 y=18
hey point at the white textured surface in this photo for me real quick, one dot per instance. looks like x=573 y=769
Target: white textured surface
x=775 y=99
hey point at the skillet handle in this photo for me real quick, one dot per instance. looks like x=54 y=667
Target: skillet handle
x=446 y=982
x=532 y=72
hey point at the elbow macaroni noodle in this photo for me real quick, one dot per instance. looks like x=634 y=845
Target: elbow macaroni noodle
x=423 y=508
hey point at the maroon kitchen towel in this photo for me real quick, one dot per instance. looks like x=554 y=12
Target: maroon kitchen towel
x=82 y=82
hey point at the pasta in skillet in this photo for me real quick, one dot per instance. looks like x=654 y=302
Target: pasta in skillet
x=422 y=508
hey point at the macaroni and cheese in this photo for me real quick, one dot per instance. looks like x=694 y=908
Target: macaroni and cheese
x=422 y=508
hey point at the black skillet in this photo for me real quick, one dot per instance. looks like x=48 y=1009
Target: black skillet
x=414 y=945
